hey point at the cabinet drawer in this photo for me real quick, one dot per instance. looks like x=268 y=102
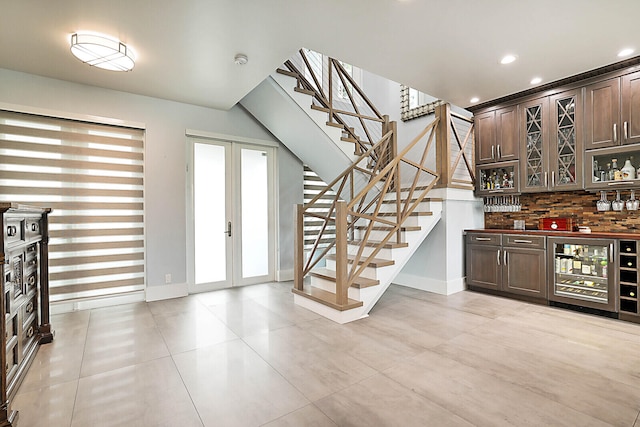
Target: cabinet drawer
x=524 y=241
x=484 y=239
x=10 y=330
x=29 y=310
x=32 y=228
x=13 y=231
x=29 y=332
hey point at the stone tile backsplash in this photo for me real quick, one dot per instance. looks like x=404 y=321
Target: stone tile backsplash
x=579 y=205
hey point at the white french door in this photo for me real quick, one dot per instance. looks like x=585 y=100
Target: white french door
x=232 y=226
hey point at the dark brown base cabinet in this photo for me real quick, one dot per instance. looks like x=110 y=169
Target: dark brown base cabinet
x=513 y=264
x=25 y=298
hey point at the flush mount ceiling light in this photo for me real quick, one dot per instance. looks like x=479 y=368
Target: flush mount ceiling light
x=474 y=100
x=625 y=52
x=240 y=59
x=535 y=80
x=508 y=59
x=102 y=52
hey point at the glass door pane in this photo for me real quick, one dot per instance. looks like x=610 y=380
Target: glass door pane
x=255 y=212
x=210 y=216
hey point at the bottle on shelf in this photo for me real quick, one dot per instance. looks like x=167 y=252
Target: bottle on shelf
x=628 y=171
x=617 y=174
x=609 y=172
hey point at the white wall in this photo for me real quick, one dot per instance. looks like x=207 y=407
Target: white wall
x=165 y=123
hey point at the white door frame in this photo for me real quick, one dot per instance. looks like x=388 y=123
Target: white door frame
x=236 y=143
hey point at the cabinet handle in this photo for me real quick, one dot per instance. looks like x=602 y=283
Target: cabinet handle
x=499 y=151
x=610 y=252
x=546 y=179
x=615 y=132
x=522 y=241
x=626 y=131
x=34 y=226
x=482 y=239
x=30 y=332
x=505 y=257
x=29 y=307
x=12 y=230
x=620 y=183
x=498 y=257
x=553 y=178
x=492 y=154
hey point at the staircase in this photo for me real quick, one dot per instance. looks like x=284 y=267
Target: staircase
x=371 y=218
x=319 y=289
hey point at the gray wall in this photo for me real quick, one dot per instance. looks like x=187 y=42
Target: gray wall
x=165 y=123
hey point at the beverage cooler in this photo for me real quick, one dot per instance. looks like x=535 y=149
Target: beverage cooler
x=583 y=272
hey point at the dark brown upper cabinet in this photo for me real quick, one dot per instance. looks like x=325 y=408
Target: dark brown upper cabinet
x=612 y=112
x=631 y=108
x=496 y=135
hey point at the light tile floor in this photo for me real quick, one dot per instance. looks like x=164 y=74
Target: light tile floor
x=250 y=357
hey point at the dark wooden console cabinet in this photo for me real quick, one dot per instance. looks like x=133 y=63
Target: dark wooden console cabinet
x=25 y=297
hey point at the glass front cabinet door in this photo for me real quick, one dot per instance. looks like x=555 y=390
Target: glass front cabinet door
x=566 y=139
x=534 y=123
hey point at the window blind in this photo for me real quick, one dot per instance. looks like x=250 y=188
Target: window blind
x=91 y=175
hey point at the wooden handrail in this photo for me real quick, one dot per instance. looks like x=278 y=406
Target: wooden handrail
x=380 y=174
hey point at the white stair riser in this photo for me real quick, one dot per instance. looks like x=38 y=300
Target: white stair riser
x=377 y=235
x=368 y=272
x=330 y=286
x=384 y=253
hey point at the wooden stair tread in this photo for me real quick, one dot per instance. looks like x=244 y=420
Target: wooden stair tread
x=411 y=214
x=347 y=139
x=383 y=228
x=327 y=298
x=375 y=262
x=360 y=282
x=388 y=245
x=319 y=108
x=305 y=91
x=335 y=125
x=425 y=200
x=287 y=73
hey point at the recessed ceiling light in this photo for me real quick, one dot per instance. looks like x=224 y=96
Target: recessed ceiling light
x=508 y=59
x=474 y=100
x=535 y=80
x=625 y=52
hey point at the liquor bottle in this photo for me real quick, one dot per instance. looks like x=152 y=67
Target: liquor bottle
x=609 y=172
x=628 y=171
x=617 y=175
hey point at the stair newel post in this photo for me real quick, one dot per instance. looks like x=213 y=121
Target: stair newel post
x=443 y=148
x=330 y=77
x=298 y=247
x=396 y=183
x=342 y=286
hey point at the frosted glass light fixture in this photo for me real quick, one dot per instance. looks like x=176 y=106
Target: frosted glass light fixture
x=102 y=52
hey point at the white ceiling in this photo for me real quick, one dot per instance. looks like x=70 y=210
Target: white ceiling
x=447 y=48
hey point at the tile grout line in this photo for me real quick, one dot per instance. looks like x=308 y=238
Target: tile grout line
x=84 y=349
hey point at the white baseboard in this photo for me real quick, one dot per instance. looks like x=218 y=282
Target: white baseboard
x=89 y=303
x=284 y=275
x=160 y=292
x=428 y=284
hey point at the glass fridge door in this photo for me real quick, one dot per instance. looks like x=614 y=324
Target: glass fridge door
x=582 y=273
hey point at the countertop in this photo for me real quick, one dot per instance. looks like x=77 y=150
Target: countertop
x=549 y=233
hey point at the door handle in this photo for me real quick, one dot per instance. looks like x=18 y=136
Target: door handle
x=615 y=133
x=228 y=230
x=504 y=257
x=498 y=257
x=499 y=151
x=492 y=152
